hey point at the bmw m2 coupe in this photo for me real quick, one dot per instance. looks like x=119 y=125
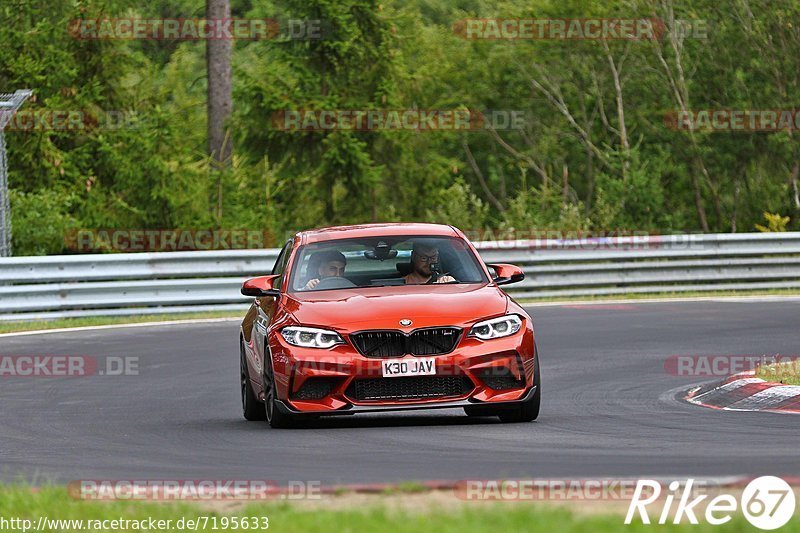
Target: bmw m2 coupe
x=386 y=317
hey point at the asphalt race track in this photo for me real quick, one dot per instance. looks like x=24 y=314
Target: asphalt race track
x=609 y=409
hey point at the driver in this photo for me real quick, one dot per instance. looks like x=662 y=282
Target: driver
x=331 y=265
x=423 y=255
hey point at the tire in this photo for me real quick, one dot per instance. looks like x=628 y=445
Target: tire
x=528 y=410
x=274 y=416
x=252 y=408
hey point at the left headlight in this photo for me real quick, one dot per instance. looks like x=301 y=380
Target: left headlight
x=496 y=327
x=311 y=337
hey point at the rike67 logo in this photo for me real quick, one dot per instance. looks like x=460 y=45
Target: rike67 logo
x=767 y=502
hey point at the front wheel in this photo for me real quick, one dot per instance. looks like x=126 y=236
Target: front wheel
x=528 y=410
x=275 y=417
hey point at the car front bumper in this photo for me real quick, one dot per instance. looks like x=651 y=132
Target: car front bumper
x=472 y=361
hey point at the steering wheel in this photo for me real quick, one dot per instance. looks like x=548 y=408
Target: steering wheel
x=436 y=273
x=334 y=283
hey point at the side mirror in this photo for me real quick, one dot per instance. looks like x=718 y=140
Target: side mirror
x=505 y=274
x=260 y=287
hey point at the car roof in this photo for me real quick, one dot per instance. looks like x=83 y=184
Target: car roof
x=376 y=230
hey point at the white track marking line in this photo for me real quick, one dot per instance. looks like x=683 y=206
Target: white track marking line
x=113 y=326
x=633 y=301
x=733 y=385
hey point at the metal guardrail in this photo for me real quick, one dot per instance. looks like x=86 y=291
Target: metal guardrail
x=153 y=283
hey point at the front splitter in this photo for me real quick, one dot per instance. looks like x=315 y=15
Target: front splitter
x=352 y=409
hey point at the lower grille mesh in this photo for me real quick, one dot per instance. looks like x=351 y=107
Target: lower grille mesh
x=406 y=388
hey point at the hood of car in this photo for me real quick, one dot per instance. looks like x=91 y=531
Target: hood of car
x=386 y=307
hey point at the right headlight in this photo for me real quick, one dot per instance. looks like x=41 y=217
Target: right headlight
x=496 y=327
x=311 y=337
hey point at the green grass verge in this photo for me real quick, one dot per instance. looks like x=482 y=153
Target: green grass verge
x=54 y=503
x=787 y=373
x=11 y=327
x=408 y=487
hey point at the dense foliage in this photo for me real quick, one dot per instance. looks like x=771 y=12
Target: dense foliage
x=595 y=152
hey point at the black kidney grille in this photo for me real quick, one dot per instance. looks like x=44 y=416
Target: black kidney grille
x=433 y=341
x=429 y=341
x=380 y=343
x=408 y=388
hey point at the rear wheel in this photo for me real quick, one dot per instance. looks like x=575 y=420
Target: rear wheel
x=275 y=417
x=252 y=409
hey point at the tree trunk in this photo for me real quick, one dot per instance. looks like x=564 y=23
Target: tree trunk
x=680 y=91
x=220 y=100
x=793 y=180
x=624 y=143
x=589 y=180
x=736 y=190
x=698 y=196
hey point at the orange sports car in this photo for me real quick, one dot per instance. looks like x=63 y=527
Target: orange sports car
x=386 y=317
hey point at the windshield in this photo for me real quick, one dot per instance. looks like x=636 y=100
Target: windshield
x=382 y=261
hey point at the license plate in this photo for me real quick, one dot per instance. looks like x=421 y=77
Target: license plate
x=423 y=366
